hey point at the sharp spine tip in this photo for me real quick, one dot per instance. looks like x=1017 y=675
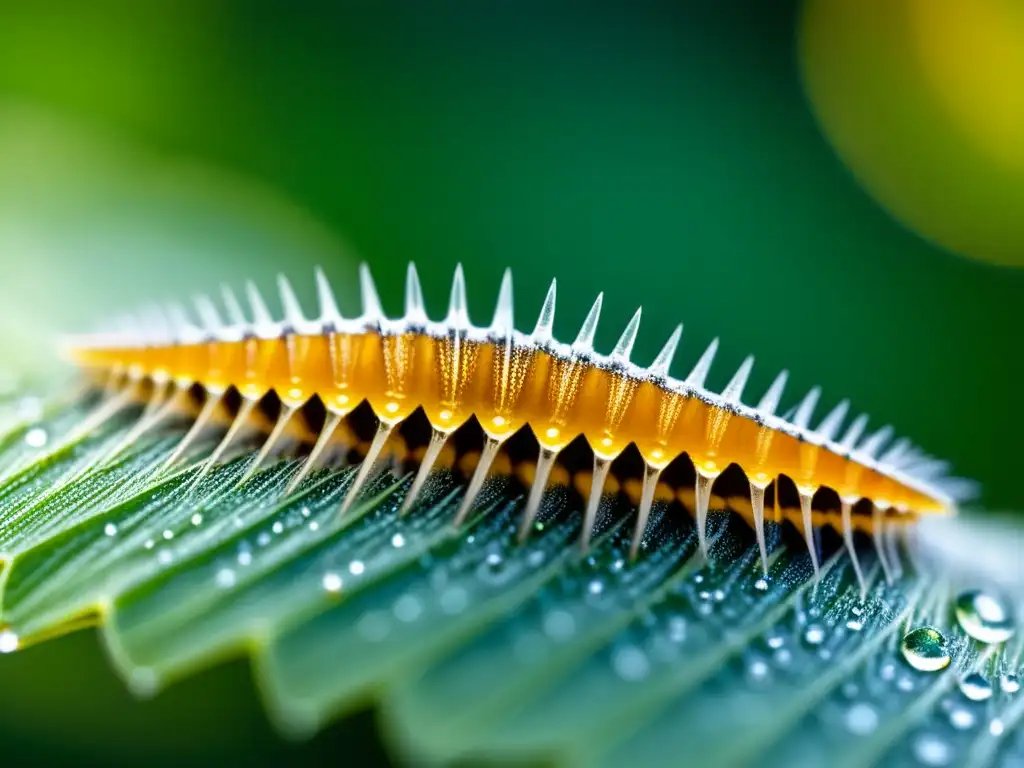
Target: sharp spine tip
x=372 y=309
x=804 y=411
x=624 y=346
x=457 y=312
x=293 y=316
x=663 y=361
x=503 y=311
x=734 y=389
x=329 y=314
x=832 y=423
x=415 y=307
x=699 y=374
x=585 y=339
x=262 y=321
x=773 y=396
x=546 y=320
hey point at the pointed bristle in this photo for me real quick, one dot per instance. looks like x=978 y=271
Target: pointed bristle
x=585 y=338
x=734 y=389
x=415 y=307
x=289 y=301
x=853 y=432
x=699 y=374
x=372 y=309
x=662 y=363
x=832 y=423
x=329 y=314
x=804 y=411
x=546 y=320
x=503 y=320
x=208 y=314
x=624 y=346
x=260 y=313
x=234 y=309
x=874 y=443
x=457 y=313
x=773 y=396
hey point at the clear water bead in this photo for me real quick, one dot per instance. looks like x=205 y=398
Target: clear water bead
x=975 y=687
x=985 y=616
x=1009 y=683
x=925 y=649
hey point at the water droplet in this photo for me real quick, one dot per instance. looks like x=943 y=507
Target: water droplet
x=996 y=727
x=304 y=512
x=677 y=629
x=494 y=560
x=925 y=649
x=408 y=608
x=854 y=625
x=761 y=585
x=168 y=535
x=164 y=557
x=277 y=527
x=757 y=670
x=149 y=544
x=110 y=529
x=36 y=437
x=776 y=639
x=398 y=541
x=631 y=663
x=331 y=582
x=263 y=539
x=1009 y=683
x=962 y=718
x=454 y=600
x=559 y=625
x=8 y=641
x=245 y=557
x=985 y=616
x=225 y=578
x=313 y=525
x=356 y=567
x=861 y=719
x=373 y=626
x=718 y=595
x=814 y=634
x=535 y=558
x=975 y=687
x=929 y=749
x=888 y=671
x=197 y=519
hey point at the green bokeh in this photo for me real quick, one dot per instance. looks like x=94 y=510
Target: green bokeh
x=665 y=155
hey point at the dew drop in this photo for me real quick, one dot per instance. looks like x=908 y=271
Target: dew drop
x=408 y=608
x=331 y=582
x=814 y=634
x=595 y=587
x=168 y=534
x=925 y=649
x=398 y=541
x=559 y=625
x=110 y=529
x=225 y=578
x=996 y=727
x=277 y=527
x=761 y=585
x=164 y=557
x=454 y=600
x=149 y=544
x=854 y=625
x=8 y=641
x=356 y=567
x=197 y=519
x=985 y=616
x=861 y=719
x=677 y=629
x=1009 y=683
x=757 y=670
x=36 y=437
x=975 y=687
x=313 y=525
x=929 y=749
x=245 y=557
x=631 y=664
x=263 y=539
x=962 y=718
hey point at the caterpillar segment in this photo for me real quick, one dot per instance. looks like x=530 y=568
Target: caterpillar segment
x=511 y=381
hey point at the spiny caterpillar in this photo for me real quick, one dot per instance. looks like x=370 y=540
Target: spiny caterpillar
x=511 y=381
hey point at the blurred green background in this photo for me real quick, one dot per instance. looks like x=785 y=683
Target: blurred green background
x=666 y=153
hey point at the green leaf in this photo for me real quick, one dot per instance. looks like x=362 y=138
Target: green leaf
x=473 y=645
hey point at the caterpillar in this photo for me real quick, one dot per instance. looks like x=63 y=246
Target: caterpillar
x=509 y=381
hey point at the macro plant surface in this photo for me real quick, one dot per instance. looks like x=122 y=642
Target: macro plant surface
x=472 y=644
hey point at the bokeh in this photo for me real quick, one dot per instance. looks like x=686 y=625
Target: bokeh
x=665 y=153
